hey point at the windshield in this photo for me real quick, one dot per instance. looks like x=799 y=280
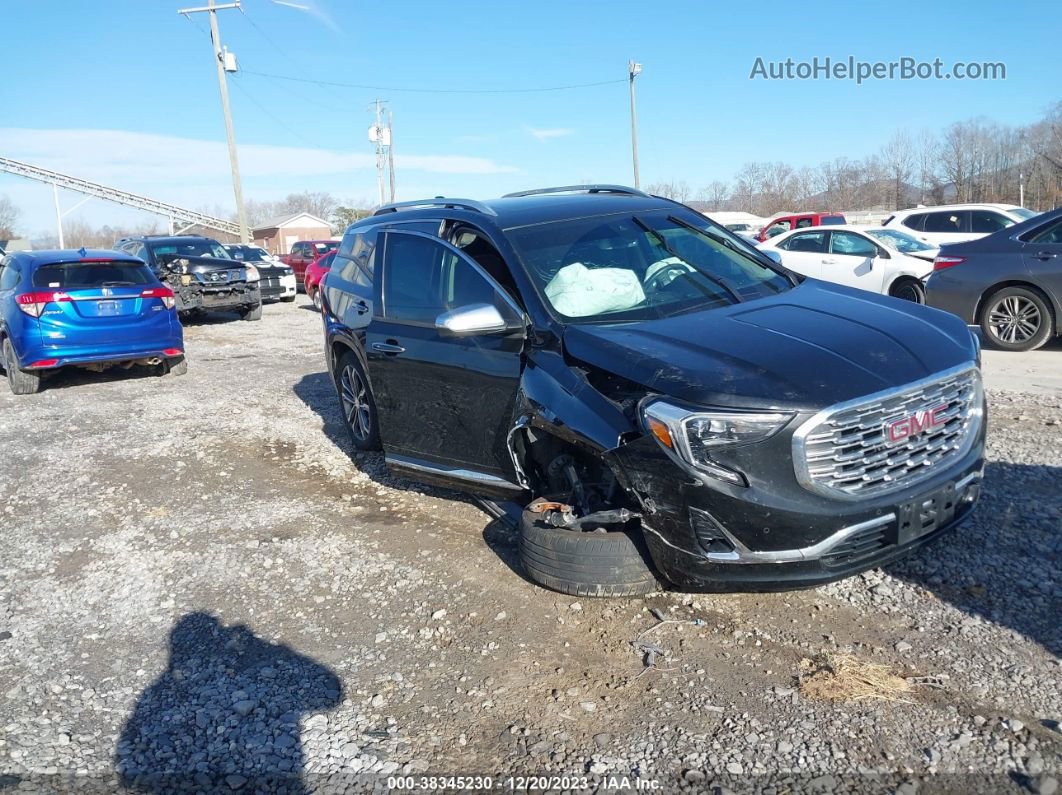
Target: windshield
x=641 y=267
x=89 y=275
x=190 y=248
x=248 y=253
x=898 y=241
x=1022 y=213
x=330 y=245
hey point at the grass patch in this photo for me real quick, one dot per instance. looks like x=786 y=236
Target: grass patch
x=844 y=677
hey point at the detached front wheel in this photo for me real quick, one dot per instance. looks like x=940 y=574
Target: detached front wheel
x=580 y=563
x=254 y=313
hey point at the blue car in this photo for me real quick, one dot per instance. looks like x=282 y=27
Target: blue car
x=93 y=309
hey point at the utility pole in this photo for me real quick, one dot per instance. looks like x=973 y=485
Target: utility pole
x=633 y=70
x=391 y=152
x=225 y=62
x=1021 y=169
x=376 y=135
x=58 y=215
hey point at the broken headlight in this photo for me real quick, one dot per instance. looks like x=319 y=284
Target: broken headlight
x=690 y=436
x=252 y=273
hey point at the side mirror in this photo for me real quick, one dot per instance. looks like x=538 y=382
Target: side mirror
x=472 y=319
x=772 y=255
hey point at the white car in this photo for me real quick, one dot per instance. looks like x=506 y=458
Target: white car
x=954 y=223
x=871 y=258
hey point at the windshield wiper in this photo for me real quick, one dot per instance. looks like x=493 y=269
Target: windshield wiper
x=664 y=245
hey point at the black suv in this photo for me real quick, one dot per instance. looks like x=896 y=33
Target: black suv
x=661 y=397
x=202 y=275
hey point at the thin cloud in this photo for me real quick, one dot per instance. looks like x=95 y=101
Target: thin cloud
x=120 y=158
x=313 y=10
x=544 y=134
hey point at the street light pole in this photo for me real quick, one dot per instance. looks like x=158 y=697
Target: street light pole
x=219 y=58
x=633 y=70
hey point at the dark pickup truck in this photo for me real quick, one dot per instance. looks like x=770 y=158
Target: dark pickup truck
x=201 y=273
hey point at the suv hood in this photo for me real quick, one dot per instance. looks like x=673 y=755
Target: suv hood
x=207 y=264
x=810 y=347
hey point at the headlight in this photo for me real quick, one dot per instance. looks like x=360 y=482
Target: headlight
x=689 y=436
x=252 y=273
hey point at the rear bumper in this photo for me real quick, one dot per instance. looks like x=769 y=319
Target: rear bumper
x=102 y=354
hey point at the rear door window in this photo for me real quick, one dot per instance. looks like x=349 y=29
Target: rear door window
x=808 y=242
x=91 y=275
x=948 y=221
x=8 y=277
x=803 y=222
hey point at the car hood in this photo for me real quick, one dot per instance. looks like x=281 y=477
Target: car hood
x=810 y=347
x=206 y=264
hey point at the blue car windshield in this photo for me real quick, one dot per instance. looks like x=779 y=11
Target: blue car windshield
x=91 y=275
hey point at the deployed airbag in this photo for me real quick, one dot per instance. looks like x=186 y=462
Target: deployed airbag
x=579 y=291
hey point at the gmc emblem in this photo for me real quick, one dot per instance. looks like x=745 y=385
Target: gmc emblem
x=919 y=422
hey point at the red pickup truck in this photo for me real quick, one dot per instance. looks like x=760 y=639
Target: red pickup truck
x=305 y=253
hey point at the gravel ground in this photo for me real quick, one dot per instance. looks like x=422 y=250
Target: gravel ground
x=201 y=589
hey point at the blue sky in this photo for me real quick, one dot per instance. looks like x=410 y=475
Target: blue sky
x=124 y=91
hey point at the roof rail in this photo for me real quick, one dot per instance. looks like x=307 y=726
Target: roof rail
x=580 y=188
x=438 y=201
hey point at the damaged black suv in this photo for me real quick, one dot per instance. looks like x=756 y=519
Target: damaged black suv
x=203 y=276
x=664 y=400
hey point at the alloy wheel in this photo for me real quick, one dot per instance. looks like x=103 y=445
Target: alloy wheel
x=356 y=403
x=1014 y=319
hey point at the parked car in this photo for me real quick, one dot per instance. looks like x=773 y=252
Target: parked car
x=855 y=256
x=954 y=223
x=314 y=274
x=202 y=275
x=786 y=223
x=742 y=229
x=664 y=400
x=1009 y=283
x=276 y=280
x=306 y=252
x=92 y=309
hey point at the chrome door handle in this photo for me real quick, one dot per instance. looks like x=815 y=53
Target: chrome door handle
x=386 y=347
x=1045 y=255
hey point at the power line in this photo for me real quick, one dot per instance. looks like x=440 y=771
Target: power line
x=435 y=90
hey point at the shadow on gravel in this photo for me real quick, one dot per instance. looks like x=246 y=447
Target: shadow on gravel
x=67 y=377
x=1003 y=564
x=224 y=715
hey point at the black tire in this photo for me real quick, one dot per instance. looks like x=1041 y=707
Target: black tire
x=22 y=382
x=178 y=365
x=315 y=298
x=255 y=313
x=1016 y=319
x=357 y=403
x=585 y=564
x=289 y=299
x=909 y=290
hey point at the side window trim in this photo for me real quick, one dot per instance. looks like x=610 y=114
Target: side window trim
x=383 y=273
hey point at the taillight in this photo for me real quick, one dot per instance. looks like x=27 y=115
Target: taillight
x=173 y=351
x=44 y=363
x=940 y=263
x=165 y=293
x=33 y=303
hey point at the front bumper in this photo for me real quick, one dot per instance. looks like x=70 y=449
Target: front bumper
x=717 y=537
x=235 y=296
x=275 y=289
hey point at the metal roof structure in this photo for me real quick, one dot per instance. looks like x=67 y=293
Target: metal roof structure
x=179 y=216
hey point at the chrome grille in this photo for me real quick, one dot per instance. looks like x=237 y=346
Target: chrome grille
x=845 y=451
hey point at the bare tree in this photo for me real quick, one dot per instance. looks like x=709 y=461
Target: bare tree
x=716 y=193
x=679 y=190
x=9 y=215
x=897 y=160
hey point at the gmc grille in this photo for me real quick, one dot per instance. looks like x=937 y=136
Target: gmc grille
x=847 y=451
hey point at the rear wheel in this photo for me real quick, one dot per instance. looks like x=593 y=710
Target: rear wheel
x=357 y=402
x=315 y=297
x=909 y=290
x=22 y=382
x=255 y=313
x=1016 y=319
x=613 y=563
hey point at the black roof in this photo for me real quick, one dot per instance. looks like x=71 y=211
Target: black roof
x=167 y=238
